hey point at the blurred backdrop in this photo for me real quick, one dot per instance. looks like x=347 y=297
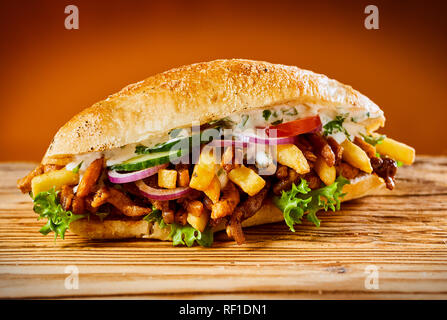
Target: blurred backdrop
x=49 y=73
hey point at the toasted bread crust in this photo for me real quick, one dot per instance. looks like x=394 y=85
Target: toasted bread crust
x=200 y=92
x=269 y=213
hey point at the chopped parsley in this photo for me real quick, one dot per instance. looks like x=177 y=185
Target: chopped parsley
x=76 y=170
x=335 y=126
x=244 y=119
x=373 y=140
x=291 y=112
x=266 y=114
x=275 y=123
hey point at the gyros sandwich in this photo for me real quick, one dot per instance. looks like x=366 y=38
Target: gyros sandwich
x=221 y=145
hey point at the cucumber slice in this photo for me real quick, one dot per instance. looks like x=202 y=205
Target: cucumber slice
x=147 y=160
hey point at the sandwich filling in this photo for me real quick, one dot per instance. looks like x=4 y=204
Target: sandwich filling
x=218 y=174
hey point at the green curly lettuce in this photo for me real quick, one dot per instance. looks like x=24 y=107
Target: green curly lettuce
x=179 y=234
x=301 y=199
x=47 y=205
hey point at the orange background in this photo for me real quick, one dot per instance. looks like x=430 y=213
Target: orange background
x=49 y=73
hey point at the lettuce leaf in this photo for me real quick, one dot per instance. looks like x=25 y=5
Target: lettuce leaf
x=187 y=235
x=46 y=204
x=179 y=234
x=301 y=199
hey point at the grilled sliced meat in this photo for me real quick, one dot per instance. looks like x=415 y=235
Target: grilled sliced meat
x=66 y=197
x=365 y=146
x=322 y=148
x=119 y=200
x=347 y=171
x=24 y=184
x=90 y=178
x=337 y=149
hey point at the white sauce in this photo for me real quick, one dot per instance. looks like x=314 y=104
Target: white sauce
x=246 y=123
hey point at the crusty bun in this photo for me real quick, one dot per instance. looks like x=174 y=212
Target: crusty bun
x=269 y=213
x=200 y=92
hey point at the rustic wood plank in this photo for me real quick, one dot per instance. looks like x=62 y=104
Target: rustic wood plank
x=403 y=233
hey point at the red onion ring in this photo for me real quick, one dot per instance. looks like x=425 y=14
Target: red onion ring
x=268 y=141
x=228 y=143
x=116 y=177
x=161 y=194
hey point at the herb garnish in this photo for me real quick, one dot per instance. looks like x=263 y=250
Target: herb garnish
x=275 y=123
x=266 y=114
x=76 y=170
x=335 y=126
x=373 y=140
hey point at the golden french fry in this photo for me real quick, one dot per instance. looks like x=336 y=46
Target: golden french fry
x=396 y=150
x=167 y=178
x=355 y=156
x=249 y=181
x=198 y=222
x=203 y=172
x=327 y=174
x=213 y=190
x=290 y=155
x=56 y=179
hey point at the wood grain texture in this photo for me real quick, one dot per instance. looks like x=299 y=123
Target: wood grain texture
x=403 y=233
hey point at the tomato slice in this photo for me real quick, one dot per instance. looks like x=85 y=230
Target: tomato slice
x=296 y=127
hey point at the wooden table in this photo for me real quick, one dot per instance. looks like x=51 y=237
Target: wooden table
x=398 y=239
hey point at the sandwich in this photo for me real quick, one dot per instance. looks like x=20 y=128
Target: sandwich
x=215 y=146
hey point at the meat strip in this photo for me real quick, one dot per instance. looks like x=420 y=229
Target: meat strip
x=166 y=211
x=119 y=200
x=346 y=170
x=51 y=167
x=251 y=205
x=286 y=182
x=322 y=148
x=337 y=149
x=313 y=180
x=181 y=217
x=234 y=230
x=365 y=146
x=24 y=184
x=78 y=205
x=66 y=197
x=90 y=178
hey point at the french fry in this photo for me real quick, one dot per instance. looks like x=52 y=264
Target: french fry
x=327 y=174
x=198 y=222
x=290 y=155
x=213 y=190
x=203 y=172
x=56 y=179
x=396 y=150
x=249 y=181
x=355 y=156
x=167 y=178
